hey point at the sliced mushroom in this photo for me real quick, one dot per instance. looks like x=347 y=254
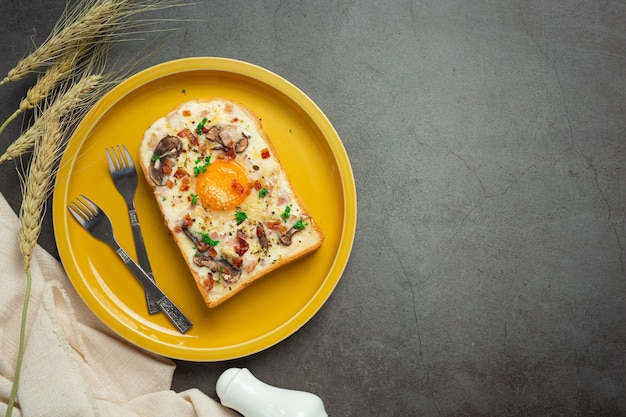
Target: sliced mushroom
x=224 y=270
x=242 y=143
x=200 y=244
x=213 y=135
x=165 y=152
x=204 y=259
x=286 y=237
x=230 y=274
x=225 y=141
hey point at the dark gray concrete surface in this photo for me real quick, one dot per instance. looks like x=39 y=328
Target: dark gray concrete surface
x=488 y=145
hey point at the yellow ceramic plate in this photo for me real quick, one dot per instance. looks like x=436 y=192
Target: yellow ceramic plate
x=268 y=311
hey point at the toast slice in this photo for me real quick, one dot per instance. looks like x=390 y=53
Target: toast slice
x=224 y=196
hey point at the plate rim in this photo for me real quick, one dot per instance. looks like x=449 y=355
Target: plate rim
x=310 y=108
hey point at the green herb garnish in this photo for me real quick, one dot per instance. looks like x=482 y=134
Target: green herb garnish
x=240 y=216
x=300 y=224
x=263 y=192
x=201 y=165
x=194 y=199
x=156 y=158
x=212 y=243
x=200 y=126
x=285 y=214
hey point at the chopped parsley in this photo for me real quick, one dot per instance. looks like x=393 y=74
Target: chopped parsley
x=240 y=216
x=156 y=158
x=300 y=224
x=201 y=126
x=212 y=243
x=285 y=214
x=194 y=199
x=263 y=192
x=201 y=165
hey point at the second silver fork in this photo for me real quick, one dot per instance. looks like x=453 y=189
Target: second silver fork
x=124 y=176
x=98 y=224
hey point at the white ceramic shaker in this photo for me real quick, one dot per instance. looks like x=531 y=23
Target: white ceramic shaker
x=238 y=389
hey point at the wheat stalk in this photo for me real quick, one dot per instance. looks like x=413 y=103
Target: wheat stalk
x=79 y=95
x=55 y=74
x=96 y=23
x=90 y=22
x=60 y=99
x=37 y=186
x=55 y=118
x=79 y=26
x=52 y=126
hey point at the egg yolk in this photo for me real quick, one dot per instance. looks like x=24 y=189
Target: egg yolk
x=223 y=186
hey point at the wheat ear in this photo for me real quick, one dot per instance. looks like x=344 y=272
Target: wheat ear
x=36 y=187
x=79 y=95
x=82 y=26
x=90 y=22
x=55 y=74
x=69 y=30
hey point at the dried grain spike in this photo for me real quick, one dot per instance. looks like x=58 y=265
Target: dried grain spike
x=36 y=188
x=55 y=74
x=79 y=95
x=89 y=23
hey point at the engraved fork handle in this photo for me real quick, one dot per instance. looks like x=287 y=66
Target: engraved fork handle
x=142 y=254
x=172 y=312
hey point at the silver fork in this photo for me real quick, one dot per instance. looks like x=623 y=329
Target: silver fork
x=98 y=224
x=124 y=176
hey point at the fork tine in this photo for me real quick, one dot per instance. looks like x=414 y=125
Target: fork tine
x=91 y=206
x=80 y=218
x=112 y=166
x=83 y=211
x=129 y=159
x=117 y=161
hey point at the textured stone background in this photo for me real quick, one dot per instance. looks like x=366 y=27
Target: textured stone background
x=487 y=142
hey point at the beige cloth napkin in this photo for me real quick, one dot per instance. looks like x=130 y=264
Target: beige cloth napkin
x=73 y=364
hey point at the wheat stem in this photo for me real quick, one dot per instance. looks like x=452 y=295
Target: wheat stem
x=20 y=353
x=10 y=119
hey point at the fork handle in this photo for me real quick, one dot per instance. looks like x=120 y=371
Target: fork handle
x=172 y=312
x=140 y=247
x=142 y=255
